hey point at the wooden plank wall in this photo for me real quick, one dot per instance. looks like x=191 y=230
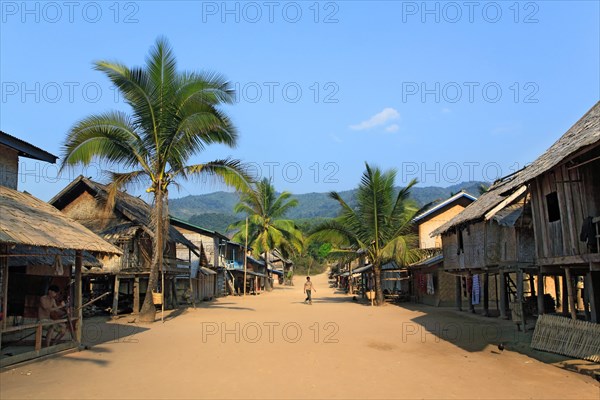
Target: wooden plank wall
x=578 y=192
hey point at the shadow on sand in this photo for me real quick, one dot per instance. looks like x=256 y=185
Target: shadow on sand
x=471 y=332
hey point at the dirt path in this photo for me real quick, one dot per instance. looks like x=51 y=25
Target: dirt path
x=275 y=346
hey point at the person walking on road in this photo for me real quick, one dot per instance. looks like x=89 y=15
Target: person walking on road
x=308 y=288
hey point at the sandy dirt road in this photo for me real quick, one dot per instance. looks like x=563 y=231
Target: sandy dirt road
x=275 y=346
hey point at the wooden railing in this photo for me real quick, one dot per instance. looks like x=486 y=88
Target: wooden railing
x=39 y=326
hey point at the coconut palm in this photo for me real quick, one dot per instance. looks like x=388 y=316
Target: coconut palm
x=174 y=115
x=380 y=225
x=267 y=230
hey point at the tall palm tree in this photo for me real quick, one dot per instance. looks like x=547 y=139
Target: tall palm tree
x=174 y=115
x=267 y=230
x=380 y=225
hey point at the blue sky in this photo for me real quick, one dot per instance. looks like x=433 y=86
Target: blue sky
x=442 y=91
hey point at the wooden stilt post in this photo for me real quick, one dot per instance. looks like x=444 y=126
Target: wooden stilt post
x=571 y=293
x=496 y=291
x=594 y=281
x=502 y=295
x=39 y=330
x=192 y=291
x=174 y=290
x=587 y=285
x=458 y=292
x=565 y=296
x=78 y=295
x=540 y=293
x=532 y=285
x=557 y=294
x=136 y=295
x=115 y=307
x=470 y=304
x=520 y=298
x=486 y=294
x=4 y=264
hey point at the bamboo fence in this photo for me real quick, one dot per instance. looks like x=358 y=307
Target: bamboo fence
x=572 y=338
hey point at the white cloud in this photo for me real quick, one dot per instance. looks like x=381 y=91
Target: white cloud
x=392 y=128
x=335 y=138
x=381 y=118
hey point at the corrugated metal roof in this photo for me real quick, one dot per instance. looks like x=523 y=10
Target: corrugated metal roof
x=26 y=149
x=428 y=261
x=27 y=220
x=443 y=204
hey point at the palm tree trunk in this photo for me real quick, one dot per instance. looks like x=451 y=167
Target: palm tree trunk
x=267 y=282
x=148 y=311
x=378 y=291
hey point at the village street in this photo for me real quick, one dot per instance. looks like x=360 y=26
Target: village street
x=275 y=346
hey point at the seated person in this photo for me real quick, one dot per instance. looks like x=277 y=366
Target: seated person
x=47 y=307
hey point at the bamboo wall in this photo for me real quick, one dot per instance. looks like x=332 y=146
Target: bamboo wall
x=486 y=245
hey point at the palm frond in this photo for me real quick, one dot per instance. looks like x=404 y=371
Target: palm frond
x=231 y=172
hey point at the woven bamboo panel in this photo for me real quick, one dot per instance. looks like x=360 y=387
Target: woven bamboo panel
x=578 y=339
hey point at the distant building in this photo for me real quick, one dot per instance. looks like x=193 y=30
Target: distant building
x=430 y=284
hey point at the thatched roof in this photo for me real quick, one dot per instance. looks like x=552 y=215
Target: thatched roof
x=136 y=210
x=26 y=220
x=585 y=133
x=31 y=255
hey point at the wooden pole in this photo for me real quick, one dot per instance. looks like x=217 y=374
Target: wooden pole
x=593 y=278
x=162 y=289
x=246 y=257
x=136 y=295
x=557 y=294
x=4 y=266
x=486 y=294
x=115 y=306
x=78 y=295
x=540 y=293
x=502 y=295
x=4 y=262
x=191 y=283
x=520 y=298
x=470 y=293
x=587 y=285
x=457 y=292
x=565 y=296
x=570 y=293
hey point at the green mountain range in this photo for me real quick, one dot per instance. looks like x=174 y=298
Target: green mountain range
x=215 y=210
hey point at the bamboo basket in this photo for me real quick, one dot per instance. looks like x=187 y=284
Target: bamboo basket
x=157 y=298
x=578 y=339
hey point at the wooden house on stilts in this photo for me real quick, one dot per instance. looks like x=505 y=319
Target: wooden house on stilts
x=39 y=247
x=538 y=230
x=128 y=226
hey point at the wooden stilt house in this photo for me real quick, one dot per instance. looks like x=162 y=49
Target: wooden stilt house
x=39 y=247
x=540 y=224
x=128 y=226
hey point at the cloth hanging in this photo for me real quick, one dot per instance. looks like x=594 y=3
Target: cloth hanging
x=430 y=288
x=476 y=290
